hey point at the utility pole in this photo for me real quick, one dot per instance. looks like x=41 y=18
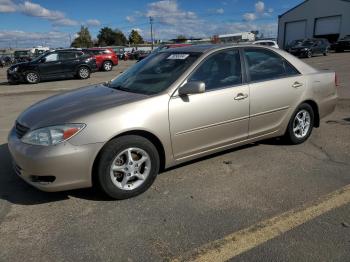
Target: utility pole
x=151 y=22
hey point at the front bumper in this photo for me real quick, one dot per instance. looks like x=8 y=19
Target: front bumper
x=14 y=77
x=53 y=168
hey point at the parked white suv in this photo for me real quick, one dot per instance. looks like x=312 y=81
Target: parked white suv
x=269 y=43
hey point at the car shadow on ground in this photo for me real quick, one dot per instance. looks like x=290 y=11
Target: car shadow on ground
x=14 y=190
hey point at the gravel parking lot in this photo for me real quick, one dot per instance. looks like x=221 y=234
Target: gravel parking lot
x=190 y=206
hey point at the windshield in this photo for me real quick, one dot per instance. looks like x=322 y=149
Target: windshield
x=154 y=74
x=40 y=56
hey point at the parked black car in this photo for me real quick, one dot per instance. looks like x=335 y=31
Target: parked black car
x=53 y=65
x=310 y=47
x=293 y=44
x=343 y=44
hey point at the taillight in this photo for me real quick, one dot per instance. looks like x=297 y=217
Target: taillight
x=336 y=80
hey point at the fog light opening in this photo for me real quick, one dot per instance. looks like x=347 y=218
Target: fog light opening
x=42 y=179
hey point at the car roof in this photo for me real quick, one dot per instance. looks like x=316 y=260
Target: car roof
x=205 y=48
x=194 y=48
x=262 y=41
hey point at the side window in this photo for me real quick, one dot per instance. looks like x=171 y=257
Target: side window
x=51 y=57
x=222 y=69
x=290 y=70
x=66 y=55
x=265 y=64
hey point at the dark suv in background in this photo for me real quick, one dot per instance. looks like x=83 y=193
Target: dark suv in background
x=310 y=47
x=342 y=44
x=64 y=63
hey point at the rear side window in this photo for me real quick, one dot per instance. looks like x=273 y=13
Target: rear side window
x=265 y=64
x=67 y=55
x=222 y=69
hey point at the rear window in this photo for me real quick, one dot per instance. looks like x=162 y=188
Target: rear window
x=265 y=65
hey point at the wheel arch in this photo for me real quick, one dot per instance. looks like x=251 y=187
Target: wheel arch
x=145 y=134
x=314 y=106
x=83 y=65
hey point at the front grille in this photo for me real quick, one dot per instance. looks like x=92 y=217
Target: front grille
x=21 y=130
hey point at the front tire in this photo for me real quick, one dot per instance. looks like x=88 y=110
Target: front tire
x=128 y=166
x=300 y=125
x=309 y=54
x=326 y=52
x=84 y=72
x=32 y=77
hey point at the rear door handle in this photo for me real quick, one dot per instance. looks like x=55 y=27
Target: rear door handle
x=241 y=96
x=297 y=84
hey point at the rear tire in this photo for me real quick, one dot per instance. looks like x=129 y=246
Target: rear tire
x=300 y=125
x=107 y=66
x=32 y=77
x=83 y=72
x=127 y=167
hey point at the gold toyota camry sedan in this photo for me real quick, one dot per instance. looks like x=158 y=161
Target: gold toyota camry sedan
x=172 y=107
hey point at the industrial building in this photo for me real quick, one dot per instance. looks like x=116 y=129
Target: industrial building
x=315 y=19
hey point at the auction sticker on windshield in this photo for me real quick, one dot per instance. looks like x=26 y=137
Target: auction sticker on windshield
x=178 y=56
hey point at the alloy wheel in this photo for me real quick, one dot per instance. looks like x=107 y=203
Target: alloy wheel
x=301 y=124
x=130 y=168
x=107 y=66
x=84 y=73
x=32 y=77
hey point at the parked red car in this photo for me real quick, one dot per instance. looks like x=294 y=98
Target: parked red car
x=106 y=58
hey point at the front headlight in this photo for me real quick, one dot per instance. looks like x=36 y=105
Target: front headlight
x=305 y=49
x=52 y=135
x=14 y=69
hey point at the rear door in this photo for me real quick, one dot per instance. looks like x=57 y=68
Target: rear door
x=216 y=118
x=69 y=61
x=275 y=88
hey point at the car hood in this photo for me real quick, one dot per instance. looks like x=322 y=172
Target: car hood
x=21 y=64
x=73 y=105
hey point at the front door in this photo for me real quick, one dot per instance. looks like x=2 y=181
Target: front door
x=51 y=66
x=203 y=122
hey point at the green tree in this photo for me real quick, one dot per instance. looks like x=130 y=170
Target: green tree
x=120 y=38
x=181 y=38
x=135 y=38
x=110 y=37
x=83 y=39
x=106 y=36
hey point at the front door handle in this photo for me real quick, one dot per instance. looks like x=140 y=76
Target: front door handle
x=297 y=84
x=241 y=96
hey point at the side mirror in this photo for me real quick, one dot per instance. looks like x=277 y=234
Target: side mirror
x=195 y=87
x=43 y=60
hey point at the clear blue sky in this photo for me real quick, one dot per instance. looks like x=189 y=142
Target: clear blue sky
x=28 y=23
